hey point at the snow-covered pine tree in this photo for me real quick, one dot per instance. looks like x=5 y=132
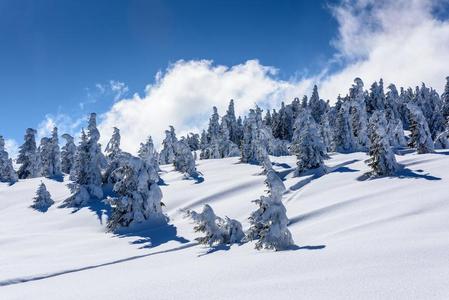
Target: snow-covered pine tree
x=112 y=149
x=217 y=231
x=231 y=120
x=7 y=172
x=139 y=196
x=376 y=98
x=148 y=154
x=420 y=137
x=227 y=147
x=50 y=156
x=445 y=99
x=167 y=155
x=359 y=118
x=29 y=157
x=184 y=160
x=344 y=141
x=317 y=106
x=326 y=132
x=256 y=139
x=68 y=152
x=382 y=160
x=268 y=224
x=80 y=175
x=96 y=160
x=42 y=200
x=307 y=144
x=193 y=139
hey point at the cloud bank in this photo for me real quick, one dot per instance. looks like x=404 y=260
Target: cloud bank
x=401 y=41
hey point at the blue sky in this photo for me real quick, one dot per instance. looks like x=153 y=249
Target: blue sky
x=53 y=51
x=60 y=60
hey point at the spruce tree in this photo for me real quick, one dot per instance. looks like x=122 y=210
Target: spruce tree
x=307 y=144
x=28 y=157
x=217 y=231
x=43 y=200
x=343 y=137
x=382 y=160
x=138 y=196
x=268 y=224
x=317 y=106
x=112 y=149
x=7 y=172
x=420 y=137
x=359 y=118
x=50 y=156
x=148 y=154
x=184 y=160
x=167 y=155
x=68 y=153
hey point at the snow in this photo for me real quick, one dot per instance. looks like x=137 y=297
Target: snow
x=357 y=238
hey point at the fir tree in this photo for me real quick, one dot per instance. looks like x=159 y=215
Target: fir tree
x=307 y=144
x=7 y=172
x=184 y=161
x=268 y=224
x=29 y=157
x=113 y=147
x=420 y=138
x=43 y=200
x=50 y=157
x=167 y=155
x=139 y=196
x=344 y=141
x=358 y=115
x=317 y=106
x=382 y=160
x=148 y=154
x=68 y=153
x=217 y=231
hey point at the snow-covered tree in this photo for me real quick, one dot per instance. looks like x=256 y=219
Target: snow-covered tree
x=42 y=200
x=86 y=173
x=382 y=160
x=327 y=134
x=268 y=224
x=420 y=137
x=359 y=118
x=193 y=139
x=7 y=172
x=68 y=153
x=376 y=98
x=184 y=160
x=306 y=144
x=442 y=140
x=113 y=147
x=232 y=124
x=216 y=230
x=167 y=155
x=29 y=157
x=317 y=106
x=227 y=147
x=343 y=138
x=445 y=99
x=257 y=139
x=148 y=154
x=138 y=196
x=50 y=157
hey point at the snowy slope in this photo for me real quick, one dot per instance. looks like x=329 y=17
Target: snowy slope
x=386 y=238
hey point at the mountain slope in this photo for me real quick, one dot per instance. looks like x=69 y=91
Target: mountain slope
x=357 y=238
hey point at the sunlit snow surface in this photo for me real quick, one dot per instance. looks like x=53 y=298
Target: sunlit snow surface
x=357 y=238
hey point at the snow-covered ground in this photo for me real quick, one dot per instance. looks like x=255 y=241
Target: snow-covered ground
x=386 y=238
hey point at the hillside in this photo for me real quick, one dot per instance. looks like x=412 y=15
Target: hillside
x=357 y=238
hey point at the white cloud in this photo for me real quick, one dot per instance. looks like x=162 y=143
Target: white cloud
x=400 y=41
x=11 y=147
x=65 y=124
x=184 y=94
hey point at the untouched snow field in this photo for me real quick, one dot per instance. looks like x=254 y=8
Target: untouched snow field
x=385 y=238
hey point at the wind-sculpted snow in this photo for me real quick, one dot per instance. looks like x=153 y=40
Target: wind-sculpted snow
x=356 y=237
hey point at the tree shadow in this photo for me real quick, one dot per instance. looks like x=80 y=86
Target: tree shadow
x=58 y=178
x=316 y=247
x=402 y=173
x=282 y=165
x=407 y=173
x=214 y=249
x=152 y=237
